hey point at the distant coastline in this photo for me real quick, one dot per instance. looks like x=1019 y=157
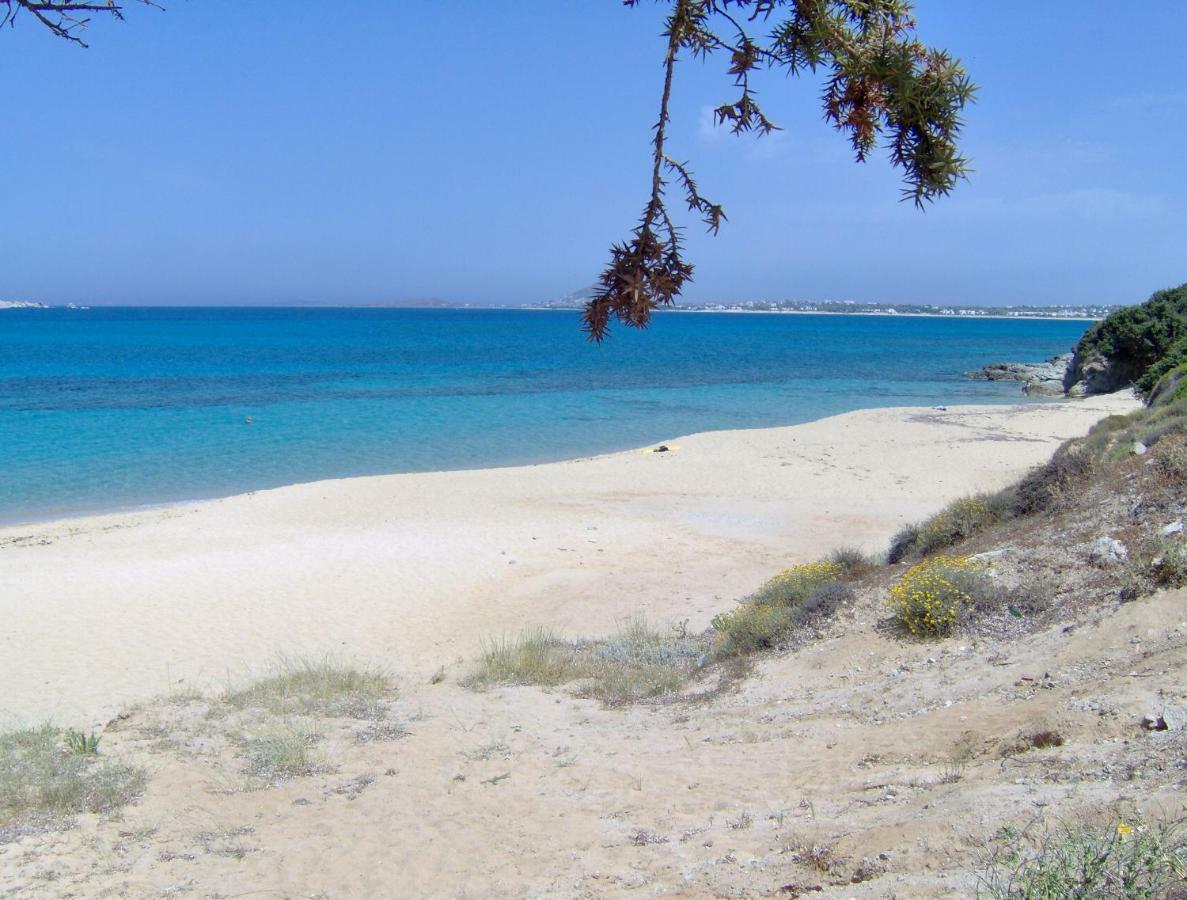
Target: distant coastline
x=817 y=312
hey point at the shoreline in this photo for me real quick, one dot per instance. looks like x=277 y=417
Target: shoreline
x=414 y=571
x=23 y=520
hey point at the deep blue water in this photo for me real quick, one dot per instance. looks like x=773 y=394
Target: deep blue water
x=108 y=408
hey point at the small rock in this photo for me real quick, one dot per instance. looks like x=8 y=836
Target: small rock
x=989 y=554
x=1107 y=551
x=1174 y=718
x=1139 y=448
x=1175 y=527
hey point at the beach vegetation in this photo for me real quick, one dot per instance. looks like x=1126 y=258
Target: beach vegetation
x=44 y=781
x=278 y=751
x=793 y=586
x=1140 y=344
x=855 y=563
x=796 y=598
x=933 y=596
x=81 y=742
x=749 y=628
x=960 y=519
x=636 y=662
x=823 y=603
x=1171 y=460
x=535 y=656
x=1160 y=562
x=1120 y=858
x=321 y=687
x=1044 y=485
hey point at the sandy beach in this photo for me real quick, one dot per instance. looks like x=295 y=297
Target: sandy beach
x=413 y=572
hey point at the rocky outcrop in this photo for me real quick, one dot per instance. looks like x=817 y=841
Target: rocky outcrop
x=1095 y=373
x=1045 y=378
x=21 y=304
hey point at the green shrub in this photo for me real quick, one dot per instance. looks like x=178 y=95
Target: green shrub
x=957 y=521
x=1136 y=339
x=854 y=563
x=1172 y=384
x=1174 y=358
x=960 y=519
x=1161 y=563
x=823 y=603
x=793 y=586
x=1124 y=860
x=903 y=543
x=1171 y=460
x=749 y=628
x=41 y=781
x=1042 y=486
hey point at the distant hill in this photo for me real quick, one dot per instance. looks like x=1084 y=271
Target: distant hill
x=22 y=304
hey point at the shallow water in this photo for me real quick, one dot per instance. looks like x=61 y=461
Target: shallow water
x=109 y=408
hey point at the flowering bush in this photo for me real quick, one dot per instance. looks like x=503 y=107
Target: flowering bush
x=932 y=596
x=793 y=586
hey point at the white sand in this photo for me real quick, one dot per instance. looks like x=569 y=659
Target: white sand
x=413 y=571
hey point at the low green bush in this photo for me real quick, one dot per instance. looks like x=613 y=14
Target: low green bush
x=1041 y=487
x=854 y=563
x=960 y=519
x=749 y=628
x=823 y=603
x=903 y=543
x=1125 y=859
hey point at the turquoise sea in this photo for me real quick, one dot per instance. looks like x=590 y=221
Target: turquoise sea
x=109 y=408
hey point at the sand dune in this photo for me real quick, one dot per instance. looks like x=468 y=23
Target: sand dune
x=413 y=571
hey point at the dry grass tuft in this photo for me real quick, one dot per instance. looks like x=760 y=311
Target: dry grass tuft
x=277 y=752
x=635 y=663
x=318 y=688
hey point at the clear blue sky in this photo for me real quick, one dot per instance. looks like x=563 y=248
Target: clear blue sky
x=273 y=152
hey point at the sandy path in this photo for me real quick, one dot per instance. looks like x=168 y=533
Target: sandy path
x=411 y=571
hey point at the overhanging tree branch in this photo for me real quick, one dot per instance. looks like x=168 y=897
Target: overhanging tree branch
x=882 y=84
x=65 y=18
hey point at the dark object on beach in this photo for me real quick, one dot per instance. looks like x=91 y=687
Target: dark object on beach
x=662 y=448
